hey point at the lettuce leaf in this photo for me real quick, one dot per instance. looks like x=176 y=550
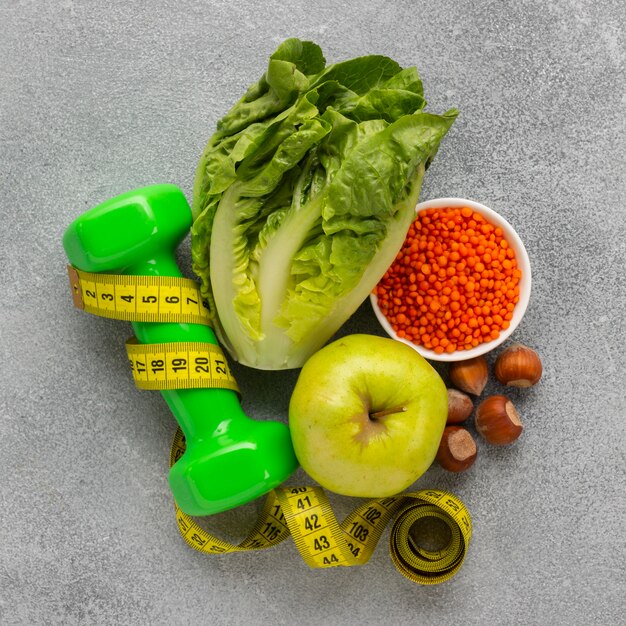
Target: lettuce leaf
x=303 y=197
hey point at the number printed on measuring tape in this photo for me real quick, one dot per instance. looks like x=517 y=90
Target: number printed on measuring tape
x=139 y=298
x=179 y=365
x=314 y=527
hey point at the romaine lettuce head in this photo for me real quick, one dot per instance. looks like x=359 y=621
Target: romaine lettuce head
x=303 y=198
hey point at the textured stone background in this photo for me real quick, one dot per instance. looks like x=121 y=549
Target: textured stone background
x=101 y=97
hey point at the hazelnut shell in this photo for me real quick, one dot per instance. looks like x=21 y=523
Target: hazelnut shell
x=518 y=366
x=460 y=406
x=457 y=449
x=470 y=375
x=497 y=420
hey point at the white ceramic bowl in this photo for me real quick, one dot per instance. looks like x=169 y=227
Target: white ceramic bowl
x=524 y=284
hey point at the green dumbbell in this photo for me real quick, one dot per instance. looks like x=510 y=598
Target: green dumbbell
x=230 y=459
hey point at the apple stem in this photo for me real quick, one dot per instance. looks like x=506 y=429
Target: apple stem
x=378 y=414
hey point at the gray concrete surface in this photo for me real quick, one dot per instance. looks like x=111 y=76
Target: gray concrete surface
x=101 y=97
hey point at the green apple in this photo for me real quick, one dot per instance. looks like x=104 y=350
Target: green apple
x=367 y=415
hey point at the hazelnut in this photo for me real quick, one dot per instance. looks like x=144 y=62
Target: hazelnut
x=469 y=376
x=460 y=406
x=457 y=449
x=518 y=366
x=498 y=421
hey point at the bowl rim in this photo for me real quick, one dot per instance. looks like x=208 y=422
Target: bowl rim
x=523 y=261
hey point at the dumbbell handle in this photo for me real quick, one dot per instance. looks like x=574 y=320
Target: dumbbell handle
x=198 y=411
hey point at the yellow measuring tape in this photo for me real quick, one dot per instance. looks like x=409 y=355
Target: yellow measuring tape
x=305 y=514
x=302 y=512
x=179 y=365
x=138 y=298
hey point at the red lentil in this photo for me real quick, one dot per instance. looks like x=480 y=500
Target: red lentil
x=462 y=277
